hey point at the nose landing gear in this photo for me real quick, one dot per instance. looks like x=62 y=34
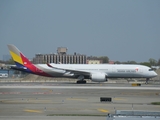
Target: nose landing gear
x=147 y=79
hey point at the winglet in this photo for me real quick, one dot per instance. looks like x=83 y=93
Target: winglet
x=49 y=65
x=54 y=67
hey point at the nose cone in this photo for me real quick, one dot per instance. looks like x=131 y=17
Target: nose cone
x=154 y=74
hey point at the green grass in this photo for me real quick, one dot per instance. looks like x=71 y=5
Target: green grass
x=155 y=103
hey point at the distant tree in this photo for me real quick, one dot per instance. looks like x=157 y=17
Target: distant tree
x=117 y=62
x=124 y=62
x=104 y=59
x=146 y=64
x=10 y=61
x=153 y=62
x=1 y=61
x=132 y=62
x=158 y=63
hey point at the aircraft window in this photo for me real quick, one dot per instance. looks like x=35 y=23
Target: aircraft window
x=150 y=69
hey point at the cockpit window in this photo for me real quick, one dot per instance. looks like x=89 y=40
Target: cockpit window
x=150 y=69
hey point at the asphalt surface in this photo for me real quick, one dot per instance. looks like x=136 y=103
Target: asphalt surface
x=69 y=101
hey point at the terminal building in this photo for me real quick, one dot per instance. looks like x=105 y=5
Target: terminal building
x=94 y=61
x=61 y=57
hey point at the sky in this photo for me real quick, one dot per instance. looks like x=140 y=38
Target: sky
x=123 y=30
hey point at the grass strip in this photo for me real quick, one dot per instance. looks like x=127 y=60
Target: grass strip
x=155 y=103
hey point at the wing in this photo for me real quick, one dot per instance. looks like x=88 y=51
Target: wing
x=74 y=71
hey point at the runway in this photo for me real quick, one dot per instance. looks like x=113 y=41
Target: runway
x=68 y=85
x=66 y=99
x=86 y=87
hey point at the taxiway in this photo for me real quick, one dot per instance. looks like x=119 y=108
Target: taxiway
x=65 y=99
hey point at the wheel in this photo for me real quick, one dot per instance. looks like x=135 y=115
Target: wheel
x=81 y=82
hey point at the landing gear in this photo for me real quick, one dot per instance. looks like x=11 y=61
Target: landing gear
x=147 y=79
x=81 y=82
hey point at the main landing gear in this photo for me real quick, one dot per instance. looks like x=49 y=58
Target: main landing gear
x=81 y=80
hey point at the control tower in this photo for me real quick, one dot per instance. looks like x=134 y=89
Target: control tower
x=62 y=50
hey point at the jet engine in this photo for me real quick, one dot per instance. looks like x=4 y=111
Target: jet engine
x=98 y=77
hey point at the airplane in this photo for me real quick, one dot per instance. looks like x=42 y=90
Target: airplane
x=94 y=72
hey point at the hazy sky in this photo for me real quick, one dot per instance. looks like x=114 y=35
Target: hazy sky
x=123 y=30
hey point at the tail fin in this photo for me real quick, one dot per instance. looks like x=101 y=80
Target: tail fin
x=20 y=60
x=23 y=64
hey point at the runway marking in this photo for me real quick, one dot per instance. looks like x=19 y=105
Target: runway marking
x=40 y=101
x=35 y=111
x=119 y=99
x=141 y=93
x=27 y=101
x=150 y=93
x=44 y=89
x=45 y=93
x=6 y=93
x=76 y=99
x=85 y=87
x=103 y=110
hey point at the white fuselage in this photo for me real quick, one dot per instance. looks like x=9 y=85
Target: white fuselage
x=95 y=72
x=111 y=71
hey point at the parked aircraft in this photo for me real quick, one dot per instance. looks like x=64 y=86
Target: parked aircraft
x=95 y=72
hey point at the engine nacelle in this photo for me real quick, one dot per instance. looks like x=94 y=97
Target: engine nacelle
x=98 y=77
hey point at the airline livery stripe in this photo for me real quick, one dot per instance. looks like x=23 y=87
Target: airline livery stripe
x=16 y=57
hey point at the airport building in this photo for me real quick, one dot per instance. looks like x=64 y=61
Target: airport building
x=94 y=61
x=60 y=57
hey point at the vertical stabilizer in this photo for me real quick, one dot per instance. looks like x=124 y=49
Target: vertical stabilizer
x=22 y=62
x=18 y=57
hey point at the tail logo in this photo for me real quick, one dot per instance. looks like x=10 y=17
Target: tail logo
x=23 y=63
